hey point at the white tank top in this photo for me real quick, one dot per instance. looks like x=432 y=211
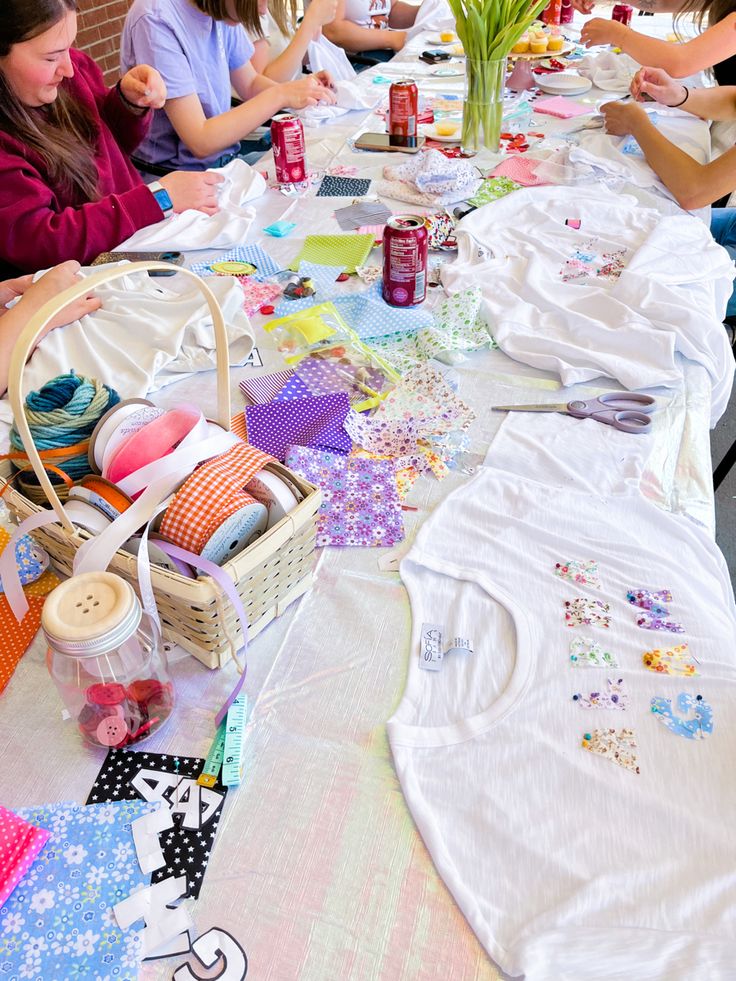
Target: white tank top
x=519 y=760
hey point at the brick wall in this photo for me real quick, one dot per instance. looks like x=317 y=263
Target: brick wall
x=100 y=23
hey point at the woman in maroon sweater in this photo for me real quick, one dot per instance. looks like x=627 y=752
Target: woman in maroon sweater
x=67 y=187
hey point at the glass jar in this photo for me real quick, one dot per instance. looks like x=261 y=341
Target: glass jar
x=105 y=657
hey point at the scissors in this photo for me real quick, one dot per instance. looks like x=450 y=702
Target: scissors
x=624 y=411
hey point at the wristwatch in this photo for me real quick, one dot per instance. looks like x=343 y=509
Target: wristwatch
x=162 y=198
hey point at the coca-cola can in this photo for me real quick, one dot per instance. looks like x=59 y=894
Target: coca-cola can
x=567 y=12
x=622 y=12
x=405 y=260
x=403 y=109
x=287 y=143
x=552 y=13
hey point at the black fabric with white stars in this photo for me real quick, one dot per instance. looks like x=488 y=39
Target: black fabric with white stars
x=186 y=849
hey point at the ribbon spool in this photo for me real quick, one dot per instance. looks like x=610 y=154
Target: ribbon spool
x=213 y=494
x=108 y=423
x=101 y=494
x=151 y=442
x=236 y=532
x=274 y=494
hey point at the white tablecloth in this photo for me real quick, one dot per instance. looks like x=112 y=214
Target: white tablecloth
x=317 y=868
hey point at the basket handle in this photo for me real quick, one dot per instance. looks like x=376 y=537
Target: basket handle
x=35 y=326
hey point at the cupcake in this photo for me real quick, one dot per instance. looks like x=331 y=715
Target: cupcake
x=447 y=36
x=538 y=43
x=521 y=46
x=556 y=40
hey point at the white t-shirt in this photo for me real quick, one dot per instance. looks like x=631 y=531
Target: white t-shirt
x=617 y=296
x=368 y=13
x=149 y=332
x=568 y=866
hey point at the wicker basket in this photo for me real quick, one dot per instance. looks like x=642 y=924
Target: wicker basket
x=269 y=575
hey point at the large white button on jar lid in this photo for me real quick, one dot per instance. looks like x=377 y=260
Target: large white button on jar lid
x=90 y=614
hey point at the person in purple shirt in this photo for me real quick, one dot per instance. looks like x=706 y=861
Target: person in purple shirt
x=201 y=49
x=67 y=187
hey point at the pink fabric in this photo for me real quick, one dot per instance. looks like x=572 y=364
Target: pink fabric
x=40 y=221
x=20 y=843
x=562 y=108
x=519 y=169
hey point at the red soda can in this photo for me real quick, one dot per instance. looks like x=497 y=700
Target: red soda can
x=622 y=12
x=552 y=13
x=405 y=260
x=567 y=12
x=403 y=109
x=287 y=143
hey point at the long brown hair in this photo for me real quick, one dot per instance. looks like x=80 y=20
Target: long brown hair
x=60 y=133
x=284 y=12
x=704 y=12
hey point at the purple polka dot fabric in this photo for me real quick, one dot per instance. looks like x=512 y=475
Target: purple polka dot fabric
x=317 y=422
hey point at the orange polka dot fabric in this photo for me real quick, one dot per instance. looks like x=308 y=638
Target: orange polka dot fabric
x=16 y=638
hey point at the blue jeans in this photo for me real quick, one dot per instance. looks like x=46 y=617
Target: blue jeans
x=723 y=229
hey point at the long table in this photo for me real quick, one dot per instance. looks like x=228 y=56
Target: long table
x=317 y=869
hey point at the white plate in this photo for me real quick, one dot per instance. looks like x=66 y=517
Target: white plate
x=564 y=83
x=448 y=71
x=437 y=40
x=429 y=130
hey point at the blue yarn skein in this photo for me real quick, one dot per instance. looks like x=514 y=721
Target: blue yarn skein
x=64 y=412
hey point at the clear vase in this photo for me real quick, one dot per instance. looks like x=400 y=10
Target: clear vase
x=483 y=109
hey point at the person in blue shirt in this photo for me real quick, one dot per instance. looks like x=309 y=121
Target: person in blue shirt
x=201 y=49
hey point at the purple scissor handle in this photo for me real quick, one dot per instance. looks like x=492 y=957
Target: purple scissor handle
x=622 y=410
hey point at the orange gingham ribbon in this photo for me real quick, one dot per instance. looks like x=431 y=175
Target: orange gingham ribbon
x=211 y=495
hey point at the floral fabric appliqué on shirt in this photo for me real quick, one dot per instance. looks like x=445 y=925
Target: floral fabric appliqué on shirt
x=591 y=613
x=586 y=653
x=700 y=721
x=616 y=745
x=673 y=661
x=587 y=262
x=580 y=571
x=655 y=615
x=613 y=696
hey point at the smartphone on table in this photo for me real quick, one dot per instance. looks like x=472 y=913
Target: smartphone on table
x=386 y=143
x=175 y=258
x=434 y=57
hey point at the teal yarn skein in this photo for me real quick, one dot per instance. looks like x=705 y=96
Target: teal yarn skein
x=64 y=412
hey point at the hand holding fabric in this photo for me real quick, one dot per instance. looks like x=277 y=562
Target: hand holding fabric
x=656 y=83
x=621 y=119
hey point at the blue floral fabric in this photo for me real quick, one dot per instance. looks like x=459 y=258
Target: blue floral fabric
x=59 y=924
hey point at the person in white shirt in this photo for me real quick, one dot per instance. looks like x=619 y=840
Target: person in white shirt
x=375 y=27
x=281 y=49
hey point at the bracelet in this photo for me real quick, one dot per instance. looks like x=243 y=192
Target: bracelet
x=131 y=106
x=682 y=103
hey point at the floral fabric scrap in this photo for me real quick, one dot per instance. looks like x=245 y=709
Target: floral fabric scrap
x=614 y=697
x=588 y=654
x=655 y=621
x=616 y=745
x=698 y=726
x=674 y=662
x=649 y=599
x=581 y=571
x=59 y=921
x=360 y=501
x=591 y=613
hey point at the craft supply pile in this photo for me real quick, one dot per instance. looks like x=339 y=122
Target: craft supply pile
x=224 y=466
